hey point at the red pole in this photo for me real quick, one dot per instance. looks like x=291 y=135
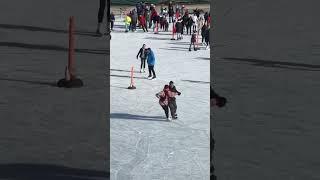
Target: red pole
x=173 y=31
x=71 y=48
x=197 y=40
x=156 y=32
x=131 y=84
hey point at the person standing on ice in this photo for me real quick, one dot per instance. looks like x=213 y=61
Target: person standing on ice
x=193 y=41
x=163 y=100
x=102 y=7
x=143 y=25
x=189 y=24
x=134 y=19
x=170 y=11
x=172 y=100
x=112 y=19
x=195 y=22
x=207 y=38
x=203 y=32
x=143 y=56
x=127 y=22
x=151 y=62
x=179 y=29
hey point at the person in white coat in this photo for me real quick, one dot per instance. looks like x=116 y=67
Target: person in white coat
x=195 y=22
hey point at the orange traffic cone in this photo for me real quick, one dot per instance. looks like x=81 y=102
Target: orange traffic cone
x=131 y=82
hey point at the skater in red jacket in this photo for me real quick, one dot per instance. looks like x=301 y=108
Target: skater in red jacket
x=143 y=23
x=163 y=100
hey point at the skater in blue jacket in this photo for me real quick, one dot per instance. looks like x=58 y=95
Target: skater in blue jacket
x=151 y=62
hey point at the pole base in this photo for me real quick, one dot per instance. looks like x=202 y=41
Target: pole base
x=132 y=87
x=74 y=83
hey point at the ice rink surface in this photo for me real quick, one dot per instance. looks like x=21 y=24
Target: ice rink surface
x=144 y=145
x=267 y=65
x=47 y=132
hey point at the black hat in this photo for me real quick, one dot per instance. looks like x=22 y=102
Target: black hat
x=171 y=82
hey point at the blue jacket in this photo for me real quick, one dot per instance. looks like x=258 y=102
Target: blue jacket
x=151 y=59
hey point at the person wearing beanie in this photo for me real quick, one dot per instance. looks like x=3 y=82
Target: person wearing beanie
x=172 y=100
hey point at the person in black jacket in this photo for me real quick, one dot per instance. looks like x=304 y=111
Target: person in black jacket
x=203 y=32
x=143 y=56
x=179 y=29
x=185 y=19
x=172 y=100
x=170 y=12
x=112 y=19
x=189 y=24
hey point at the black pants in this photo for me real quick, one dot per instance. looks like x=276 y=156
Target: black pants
x=194 y=45
x=166 y=110
x=144 y=28
x=173 y=106
x=143 y=63
x=151 y=69
x=207 y=41
x=194 y=27
x=134 y=25
x=183 y=25
x=102 y=7
x=189 y=29
x=112 y=23
x=170 y=19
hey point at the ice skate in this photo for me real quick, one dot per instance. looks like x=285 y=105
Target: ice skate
x=169 y=118
x=149 y=77
x=154 y=78
x=140 y=70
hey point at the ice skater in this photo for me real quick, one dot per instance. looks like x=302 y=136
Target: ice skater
x=163 y=100
x=203 y=32
x=207 y=38
x=179 y=29
x=127 y=22
x=112 y=20
x=151 y=62
x=193 y=41
x=172 y=100
x=142 y=23
x=143 y=56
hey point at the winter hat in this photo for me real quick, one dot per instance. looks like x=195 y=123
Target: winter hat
x=171 y=82
x=166 y=86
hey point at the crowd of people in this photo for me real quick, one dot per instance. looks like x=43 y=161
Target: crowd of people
x=145 y=17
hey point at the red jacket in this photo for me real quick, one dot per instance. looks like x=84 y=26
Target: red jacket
x=163 y=98
x=142 y=20
x=153 y=14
